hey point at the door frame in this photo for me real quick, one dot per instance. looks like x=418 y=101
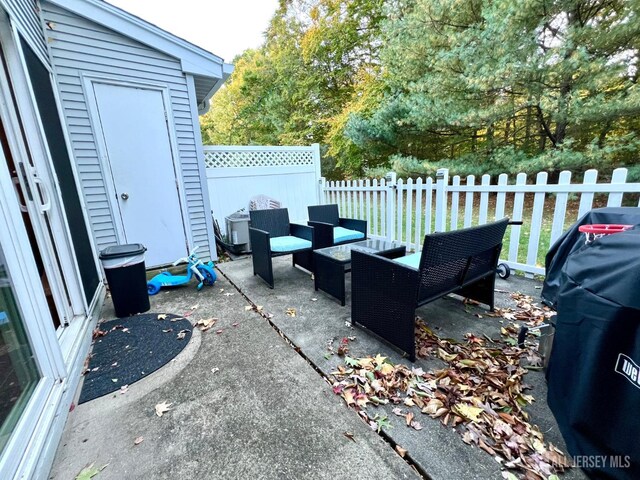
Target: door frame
x=88 y=81
x=25 y=103
x=30 y=433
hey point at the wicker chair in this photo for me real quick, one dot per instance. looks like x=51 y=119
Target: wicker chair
x=331 y=229
x=385 y=293
x=272 y=235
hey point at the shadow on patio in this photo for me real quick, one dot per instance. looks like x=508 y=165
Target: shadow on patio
x=246 y=405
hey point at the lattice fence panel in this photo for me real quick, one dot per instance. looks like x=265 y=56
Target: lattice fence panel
x=257 y=158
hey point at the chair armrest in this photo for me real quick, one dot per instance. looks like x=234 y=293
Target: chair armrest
x=323 y=233
x=302 y=231
x=260 y=244
x=384 y=298
x=354 y=224
x=384 y=276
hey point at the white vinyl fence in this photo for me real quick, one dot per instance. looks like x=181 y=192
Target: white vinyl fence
x=290 y=175
x=405 y=211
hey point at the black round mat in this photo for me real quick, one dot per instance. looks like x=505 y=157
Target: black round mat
x=131 y=349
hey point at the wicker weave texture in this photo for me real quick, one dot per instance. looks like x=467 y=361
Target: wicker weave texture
x=275 y=221
x=324 y=213
x=451 y=259
x=383 y=299
x=385 y=294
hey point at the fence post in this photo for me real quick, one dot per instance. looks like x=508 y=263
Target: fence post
x=315 y=148
x=322 y=194
x=391 y=178
x=442 y=182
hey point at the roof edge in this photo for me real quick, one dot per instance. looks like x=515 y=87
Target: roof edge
x=193 y=59
x=227 y=70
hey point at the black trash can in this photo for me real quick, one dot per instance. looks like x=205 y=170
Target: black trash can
x=127 y=279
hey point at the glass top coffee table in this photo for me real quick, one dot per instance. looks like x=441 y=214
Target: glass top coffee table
x=332 y=263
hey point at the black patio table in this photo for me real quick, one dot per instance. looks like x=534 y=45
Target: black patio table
x=332 y=263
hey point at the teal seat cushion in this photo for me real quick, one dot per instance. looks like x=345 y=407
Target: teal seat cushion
x=341 y=234
x=289 y=244
x=412 y=260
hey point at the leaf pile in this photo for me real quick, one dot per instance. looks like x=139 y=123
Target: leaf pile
x=527 y=311
x=480 y=393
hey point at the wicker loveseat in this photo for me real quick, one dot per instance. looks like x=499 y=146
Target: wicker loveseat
x=272 y=235
x=385 y=293
x=331 y=229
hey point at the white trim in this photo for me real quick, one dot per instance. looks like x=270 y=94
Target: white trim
x=205 y=103
x=193 y=59
x=40 y=150
x=88 y=80
x=204 y=184
x=30 y=431
x=42 y=464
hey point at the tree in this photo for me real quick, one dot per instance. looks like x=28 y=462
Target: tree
x=546 y=78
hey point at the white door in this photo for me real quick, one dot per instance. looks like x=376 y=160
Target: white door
x=138 y=150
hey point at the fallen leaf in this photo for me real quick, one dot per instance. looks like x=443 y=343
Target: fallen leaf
x=162 y=316
x=138 y=440
x=206 y=324
x=416 y=425
x=408 y=418
x=401 y=451
x=349 y=435
x=182 y=334
x=511 y=476
x=89 y=472
x=447 y=357
x=162 y=408
x=467 y=411
x=291 y=312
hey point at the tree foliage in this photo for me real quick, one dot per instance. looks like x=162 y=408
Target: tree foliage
x=480 y=86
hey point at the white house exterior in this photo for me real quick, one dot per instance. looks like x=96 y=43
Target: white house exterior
x=100 y=144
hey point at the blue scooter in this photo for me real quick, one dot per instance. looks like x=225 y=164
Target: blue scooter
x=204 y=272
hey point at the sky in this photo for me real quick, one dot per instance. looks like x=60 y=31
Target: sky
x=223 y=27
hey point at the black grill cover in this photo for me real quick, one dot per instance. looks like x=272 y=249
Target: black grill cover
x=572 y=240
x=594 y=369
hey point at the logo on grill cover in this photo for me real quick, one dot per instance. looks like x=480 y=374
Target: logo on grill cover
x=628 y=368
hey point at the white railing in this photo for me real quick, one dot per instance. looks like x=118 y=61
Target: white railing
x=405 y=211
x=289 y=174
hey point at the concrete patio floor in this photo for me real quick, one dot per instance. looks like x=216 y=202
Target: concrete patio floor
x=267 y=412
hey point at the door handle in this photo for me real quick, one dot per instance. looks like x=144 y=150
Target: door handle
x=44 y=195
x=124 y=196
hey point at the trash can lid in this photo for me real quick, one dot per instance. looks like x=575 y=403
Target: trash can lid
x=120 y=251
x=238 y=216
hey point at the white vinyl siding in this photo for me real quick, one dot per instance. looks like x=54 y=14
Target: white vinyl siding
x=24 y=14
x=81 y=46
